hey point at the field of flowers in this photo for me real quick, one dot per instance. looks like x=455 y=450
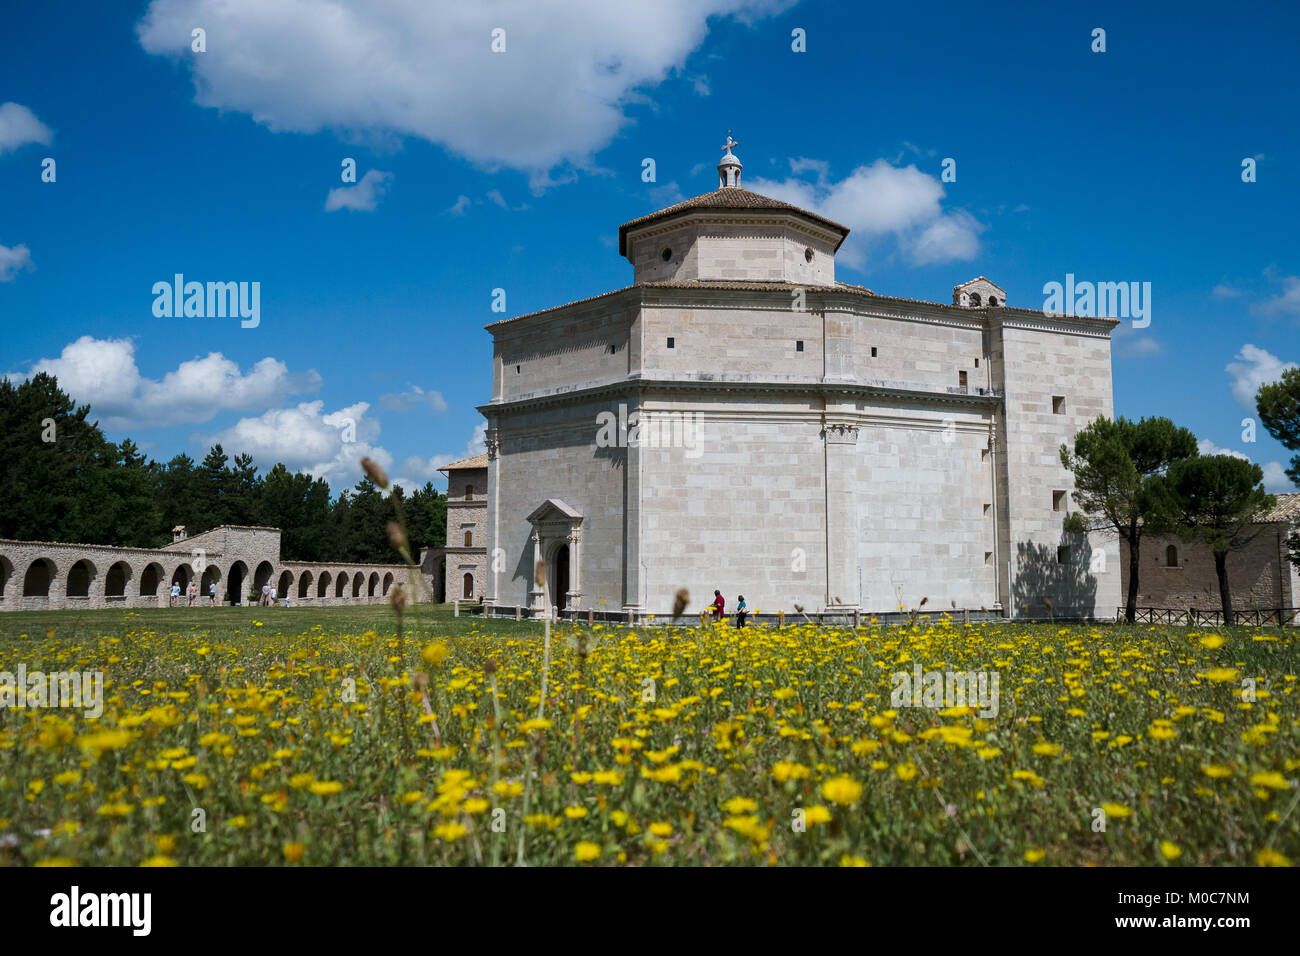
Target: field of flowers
x=300 y=738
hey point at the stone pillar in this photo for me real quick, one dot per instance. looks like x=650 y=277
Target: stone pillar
x=633 y=574
x=492 y=439
x=537 y=593
x=841 y=440
x=573 y=596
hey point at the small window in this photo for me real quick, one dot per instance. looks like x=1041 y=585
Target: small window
x=1171 y=557
x=1063 y=554
x=1058 y=404
x=988 y=559
x=873 y=351
x=469 y=492
x=666 y=254
x=977 y=363
x=961 y=378
x=993 y=300
x=1058 y=500
x=516 y=369
x=808 y=255
x=672 y=342
x=469 y=539
x=798 y=346
x=987 y=508
x=984 y=454
x=613 y=349
x=974 y=298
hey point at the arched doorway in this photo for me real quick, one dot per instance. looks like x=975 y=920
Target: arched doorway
x=36 y=582
x=262 y=576
x=388 y=581
x=149 y=579
x=559 y=577
x=357 y=582
x=6 y=573
x=468 y=591
x=304 y=584
x=211 y=578
x=285 y=586
x=374 y=584
x=115 y=582
x=79 y=578
x=235 y=581
x=340 y=583
x=323 y=585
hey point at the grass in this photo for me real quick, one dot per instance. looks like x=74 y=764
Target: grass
x=314 y=736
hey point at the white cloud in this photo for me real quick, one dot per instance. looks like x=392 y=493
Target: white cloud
x=1286 y=302
x=13 y=261
x=364 y=196
x=461 y=204
x=426 y=469
x=412 y=68
x=1276 y=481
x=496 y=197
x=1223 y=291
x=19 y=126
x=1207 y=447
x=416 y=397
x=103 y=374
x=879 y=202
x=1127 y=342
x=328 y=446
x=1254 y=367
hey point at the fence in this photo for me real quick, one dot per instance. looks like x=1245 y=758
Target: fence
x=1246 y=617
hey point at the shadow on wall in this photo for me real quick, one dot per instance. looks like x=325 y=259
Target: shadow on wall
x=1061 y=574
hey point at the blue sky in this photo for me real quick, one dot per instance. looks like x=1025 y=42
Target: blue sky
x=514 y=170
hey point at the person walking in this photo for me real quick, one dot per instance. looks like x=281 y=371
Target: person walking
x=741 y=611
x=719 y=604
x=212 y=594
x=175 y=594
x=193 y=593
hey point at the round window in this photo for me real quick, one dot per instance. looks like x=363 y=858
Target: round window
x=667 y=254
x=808 y=255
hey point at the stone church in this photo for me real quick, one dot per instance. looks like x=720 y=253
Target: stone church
x=738 y=419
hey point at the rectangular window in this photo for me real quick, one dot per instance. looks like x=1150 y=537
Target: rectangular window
x=873 y=351
x=672 y=342
x=798 y=346
x=977 y=363
x=987 y=509
x=984 y=454
x=1058 y=500
x=1063 y=554
x=988 y=559
x=1058 y=404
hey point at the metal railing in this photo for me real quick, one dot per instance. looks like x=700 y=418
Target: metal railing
x=1244 y=617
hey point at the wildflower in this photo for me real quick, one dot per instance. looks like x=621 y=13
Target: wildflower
x=1170 y=851
x=585 y=851
x=843 y=790
x=293 y=852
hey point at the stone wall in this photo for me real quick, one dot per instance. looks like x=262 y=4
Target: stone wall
x=1259 y=575
x=37 y=575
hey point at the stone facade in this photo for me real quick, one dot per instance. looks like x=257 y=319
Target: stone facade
x=41 y=575
x=737 y=419
x=464 y=558
x=1180 y=575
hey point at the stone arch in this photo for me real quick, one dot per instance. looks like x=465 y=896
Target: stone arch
x=975 y=298
x=304 y=584
x=182 y=576
x=6 y=574
x=118 y=577
x=211 y=576
x=80 y=575
x=341 y=582
x=285 y=584
x=373 y=585
x=262 y=575
x=38 y=578
x=358 y=580
x=150 y=578
x=323 y=585
x=236 y=578
x=388 y=582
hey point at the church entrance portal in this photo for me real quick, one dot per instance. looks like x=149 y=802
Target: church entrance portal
x=560 y=577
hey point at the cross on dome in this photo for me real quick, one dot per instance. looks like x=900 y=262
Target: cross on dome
x=729 y=168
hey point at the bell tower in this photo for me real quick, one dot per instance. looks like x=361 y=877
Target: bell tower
x=729 y=168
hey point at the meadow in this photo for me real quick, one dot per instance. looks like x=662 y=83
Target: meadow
x=304 y=736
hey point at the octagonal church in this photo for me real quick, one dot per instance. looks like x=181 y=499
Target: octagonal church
x=738 y=419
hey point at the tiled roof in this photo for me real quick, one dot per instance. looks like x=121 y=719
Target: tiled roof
x=1286 y=509
x=465 y=464
x=729 y=197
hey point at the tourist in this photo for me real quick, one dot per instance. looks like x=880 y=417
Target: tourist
x=193 y=593
x=266 y=595
x=212 y=594
x=719 y=604
x=175 y=594
x=741 y=611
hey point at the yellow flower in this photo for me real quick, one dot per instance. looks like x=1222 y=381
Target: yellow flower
x=1272 y=779
x=118 y=809
x=818 y=814
x=575 y=813
x=905 y=771
x=105 y=740
x=739 y=805
x=475 y=805
x=164 y=843
x=1212 y=641
x=56 y=861
x=325 y=788
x=293 y=852
x=449 y=831
x=1116 y=810
x=585 y=851
x=435 y=654
x=1170 y=851
x=159 y=860
x=843 y=790
x=1221 y=675
x=1045 y=749
x=1035 y=854
x=847 y=860
x=1267 y=857
x=661 y=829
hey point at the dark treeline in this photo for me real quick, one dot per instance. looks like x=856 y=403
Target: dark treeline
x=62 y=480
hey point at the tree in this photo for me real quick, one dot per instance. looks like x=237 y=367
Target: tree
x=299 y=506
x=1279 y=409
x=1217 y=499
x=1116 y=465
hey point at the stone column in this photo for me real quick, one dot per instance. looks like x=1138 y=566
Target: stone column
x=537 y=602
x=632 y=472
x=492 y=439
x=841 y=438
x=573 y=597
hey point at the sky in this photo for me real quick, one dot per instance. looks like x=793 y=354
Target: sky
x=499 y=145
